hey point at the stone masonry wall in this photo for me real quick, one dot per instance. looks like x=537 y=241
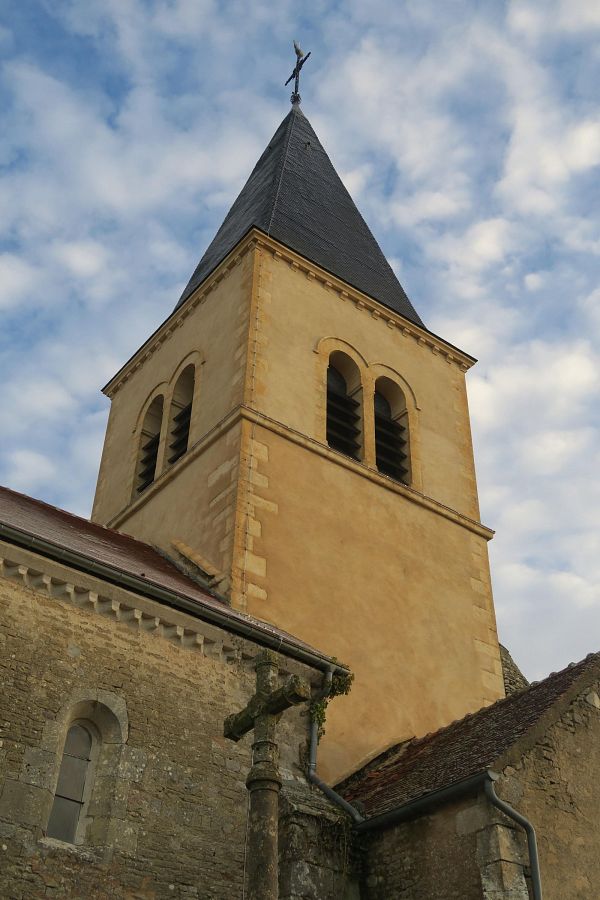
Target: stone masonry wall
x=556 y=786
x=433 y=856
x=471 y=851
x=167 y=818
x=317 y=849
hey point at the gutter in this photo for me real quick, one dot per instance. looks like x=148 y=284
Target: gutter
x=312 y=765
x=423 y=804
x=234 y=624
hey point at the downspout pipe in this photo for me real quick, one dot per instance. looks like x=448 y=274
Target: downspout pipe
x=485 y=779
x=312 y=764
x=503 y=806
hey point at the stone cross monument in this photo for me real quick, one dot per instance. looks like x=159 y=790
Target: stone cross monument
x=264 y=780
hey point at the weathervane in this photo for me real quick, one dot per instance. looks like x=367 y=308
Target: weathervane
x=300 y=60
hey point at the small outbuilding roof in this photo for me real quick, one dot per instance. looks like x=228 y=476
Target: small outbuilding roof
x=421 y=766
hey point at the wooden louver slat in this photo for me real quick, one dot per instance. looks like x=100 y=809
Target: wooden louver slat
x=148 y=462
x=390 y=445
x=180 y=433
x=342 y=419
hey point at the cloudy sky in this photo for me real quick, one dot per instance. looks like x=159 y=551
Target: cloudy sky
x=469 y=135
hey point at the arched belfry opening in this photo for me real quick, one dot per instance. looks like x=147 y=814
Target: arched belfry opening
x=344 y=405
x=181 y=414
x=149 y=443
x=391 y=430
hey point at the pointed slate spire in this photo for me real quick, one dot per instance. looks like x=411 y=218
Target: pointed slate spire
x=295 y=196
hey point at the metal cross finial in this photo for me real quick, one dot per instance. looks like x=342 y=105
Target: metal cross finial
x=300 y=60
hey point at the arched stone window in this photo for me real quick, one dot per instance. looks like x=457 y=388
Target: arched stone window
x=344 y=401
x=181 y=414
x=73 y=787
x=149 y=442
x=391 y=430
x=87 y=767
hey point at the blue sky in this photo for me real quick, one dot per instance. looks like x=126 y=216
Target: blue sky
x=469 y=136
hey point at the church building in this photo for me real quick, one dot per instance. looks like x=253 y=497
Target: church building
x=268 y=666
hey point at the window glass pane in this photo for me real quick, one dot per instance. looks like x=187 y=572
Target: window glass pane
x=63 y=819
x=79 y=742
x=71 y=778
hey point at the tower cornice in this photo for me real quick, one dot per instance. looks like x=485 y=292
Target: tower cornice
x=244 y=413
x=255 y=238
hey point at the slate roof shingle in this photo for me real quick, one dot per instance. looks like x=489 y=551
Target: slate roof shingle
x=421 y=766
x=295 y=195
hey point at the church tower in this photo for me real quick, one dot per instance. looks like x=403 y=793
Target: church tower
x=295 y=430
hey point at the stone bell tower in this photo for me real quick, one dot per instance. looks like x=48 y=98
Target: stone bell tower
x=295 y=429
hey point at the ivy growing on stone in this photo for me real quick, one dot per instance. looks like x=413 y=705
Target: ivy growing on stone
x=341 y=683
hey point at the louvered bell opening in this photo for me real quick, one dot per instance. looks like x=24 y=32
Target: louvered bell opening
x=342 y=424
x=148 y=463
x=390 y=445
x=180 y=433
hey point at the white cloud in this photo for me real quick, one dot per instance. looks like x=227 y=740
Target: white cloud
x=538 y=382
x=483 y=244
x=553 y=451
x=534 y=281
x=356 y=179
x=590 y=308
x=430 y=206
x=535 y=20
x=27 y=469
x=17 y=279
x=38 y=399
x=488 y=242
x=185 y=19
x=83 y=258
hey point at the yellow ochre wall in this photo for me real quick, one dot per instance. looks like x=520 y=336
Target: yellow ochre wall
x=392 y=580
x=192 y=501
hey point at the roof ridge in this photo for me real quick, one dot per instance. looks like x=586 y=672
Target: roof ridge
x=508 y=700
x=279 y=178
x=492 y=737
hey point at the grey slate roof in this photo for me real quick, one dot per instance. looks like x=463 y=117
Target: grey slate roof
x=295 y=195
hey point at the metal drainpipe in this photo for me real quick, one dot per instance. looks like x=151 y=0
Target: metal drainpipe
x=312 y=765
x=534 y=862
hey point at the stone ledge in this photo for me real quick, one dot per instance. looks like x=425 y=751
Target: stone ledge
x=88 y=854
x=240 y=413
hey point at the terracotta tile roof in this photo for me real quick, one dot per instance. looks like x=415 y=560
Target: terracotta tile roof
x=120 y=553
x=421 y=766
